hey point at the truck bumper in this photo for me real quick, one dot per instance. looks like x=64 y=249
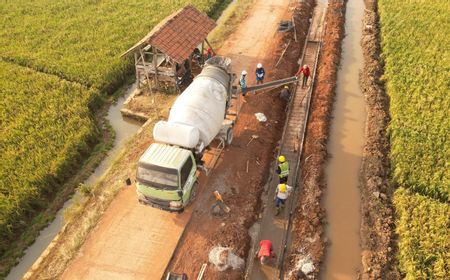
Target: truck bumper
x=159 y=203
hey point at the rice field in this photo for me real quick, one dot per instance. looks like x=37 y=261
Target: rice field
x=415 y=47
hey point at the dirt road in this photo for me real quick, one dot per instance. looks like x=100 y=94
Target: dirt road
x=131 y=241
x=256 y=38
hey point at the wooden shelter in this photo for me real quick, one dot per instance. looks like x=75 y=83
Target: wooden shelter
x=166 y=53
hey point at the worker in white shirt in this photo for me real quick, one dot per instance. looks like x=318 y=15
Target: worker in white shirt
x=283 y=192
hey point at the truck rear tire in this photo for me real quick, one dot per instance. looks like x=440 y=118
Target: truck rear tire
x=229 y=136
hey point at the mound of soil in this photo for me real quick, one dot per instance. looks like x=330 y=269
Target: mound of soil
x=377 y=228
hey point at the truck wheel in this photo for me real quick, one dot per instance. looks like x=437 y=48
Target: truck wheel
x=229 y=136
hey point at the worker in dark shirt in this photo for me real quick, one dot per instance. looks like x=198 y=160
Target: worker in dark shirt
x=285 y=94
x=260 y=73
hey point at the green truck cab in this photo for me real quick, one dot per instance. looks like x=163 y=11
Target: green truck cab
x=166 y=176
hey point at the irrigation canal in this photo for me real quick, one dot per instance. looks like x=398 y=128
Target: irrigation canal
x=342 y=198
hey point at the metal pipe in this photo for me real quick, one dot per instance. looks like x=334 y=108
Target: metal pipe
x=270 y=84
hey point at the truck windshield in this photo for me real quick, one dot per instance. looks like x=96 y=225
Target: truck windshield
x=158 y=177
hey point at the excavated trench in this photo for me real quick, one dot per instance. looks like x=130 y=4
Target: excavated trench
x=124 y=129
x=342 y=198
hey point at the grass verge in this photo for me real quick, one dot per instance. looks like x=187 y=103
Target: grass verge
x=229 y=21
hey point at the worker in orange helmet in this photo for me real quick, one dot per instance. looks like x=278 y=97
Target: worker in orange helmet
x=265 y=252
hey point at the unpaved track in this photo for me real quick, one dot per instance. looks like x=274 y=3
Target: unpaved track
x=253 y=41
x=133 y=241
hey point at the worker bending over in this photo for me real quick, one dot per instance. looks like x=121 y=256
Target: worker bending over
x=265 y=252
x=285 y=94
x=283 y=192
x=283 y=169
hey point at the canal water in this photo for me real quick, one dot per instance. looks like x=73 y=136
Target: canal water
x=342 y=198
x=124 y=130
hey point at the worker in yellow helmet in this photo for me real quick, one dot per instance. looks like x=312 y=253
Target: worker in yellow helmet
x=283 y=192
x=283 y=169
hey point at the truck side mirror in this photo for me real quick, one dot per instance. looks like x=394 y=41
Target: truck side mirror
x=128 y=181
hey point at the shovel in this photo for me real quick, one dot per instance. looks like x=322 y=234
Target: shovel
x=253 y=137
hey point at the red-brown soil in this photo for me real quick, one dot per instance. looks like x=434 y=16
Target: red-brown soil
x=241 y=190
x=309 y=216
x=377 y=229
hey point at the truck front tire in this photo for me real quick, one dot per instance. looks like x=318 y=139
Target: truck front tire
x=229 y=136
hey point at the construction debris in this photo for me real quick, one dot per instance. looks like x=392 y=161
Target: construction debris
x=303 y=264
x=223 y=258
x=261 y=117
x=176 y=276
x=202 y=271
x=285 y=26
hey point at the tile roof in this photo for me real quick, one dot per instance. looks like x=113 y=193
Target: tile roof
x=178 y=34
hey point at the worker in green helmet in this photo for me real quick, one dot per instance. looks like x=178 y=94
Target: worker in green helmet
x=283 y=169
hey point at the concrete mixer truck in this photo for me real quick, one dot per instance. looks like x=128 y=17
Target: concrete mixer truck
x=167 y=171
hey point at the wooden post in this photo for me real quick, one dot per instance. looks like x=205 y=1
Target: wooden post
x=136 y=60
x=282 y=54
x=155 y=64
x=174 y=67
x=145 y=69
x=202 y=52
x=190 y=62
x=206 y=40
x=295 y=30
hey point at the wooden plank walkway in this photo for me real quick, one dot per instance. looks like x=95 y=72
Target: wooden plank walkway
x=273 y=227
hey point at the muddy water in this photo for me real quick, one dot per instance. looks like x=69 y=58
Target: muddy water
x=124 y=129
x=342 y=200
